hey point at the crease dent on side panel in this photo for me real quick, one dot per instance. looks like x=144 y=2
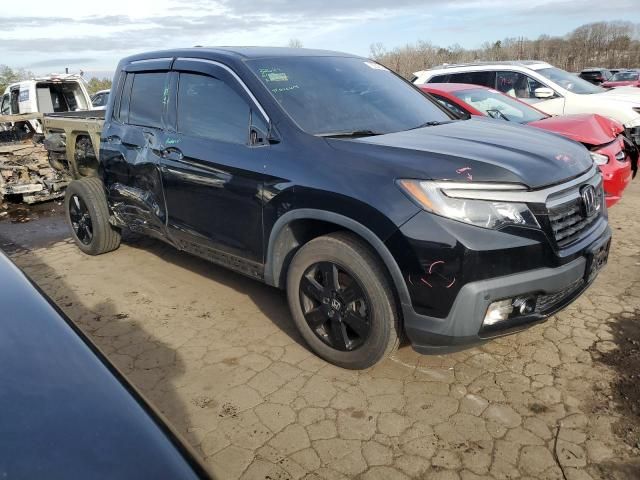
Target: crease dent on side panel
x=142 y=205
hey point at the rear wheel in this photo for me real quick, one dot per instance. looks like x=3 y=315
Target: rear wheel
x=88 y=217
x=342 y=301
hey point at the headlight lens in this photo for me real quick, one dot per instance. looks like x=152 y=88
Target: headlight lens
x=599 y=159
x=482 y=213
x=636 y=121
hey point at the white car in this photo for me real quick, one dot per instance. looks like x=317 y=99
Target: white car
x=99 y=99
x=50 y=94
x=551 y=89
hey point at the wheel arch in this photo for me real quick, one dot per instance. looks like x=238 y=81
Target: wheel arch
x=291 y=231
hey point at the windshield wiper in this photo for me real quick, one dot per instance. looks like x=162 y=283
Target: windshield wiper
x=353 y=133
x=428 y=124
x=497 y=114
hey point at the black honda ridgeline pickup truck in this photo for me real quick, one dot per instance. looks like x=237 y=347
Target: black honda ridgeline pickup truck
x=329 y=176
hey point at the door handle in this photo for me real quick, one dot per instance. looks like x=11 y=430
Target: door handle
x=172 y=153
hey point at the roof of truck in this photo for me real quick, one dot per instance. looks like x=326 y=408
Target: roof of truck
x=240 y=53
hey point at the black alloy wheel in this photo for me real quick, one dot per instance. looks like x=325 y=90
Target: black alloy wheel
x=87 y=214
x=335 y=306
x=80 y=220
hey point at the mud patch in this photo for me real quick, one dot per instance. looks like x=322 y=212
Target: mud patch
x=21 y=213
x=25 y=227
x=625 y=390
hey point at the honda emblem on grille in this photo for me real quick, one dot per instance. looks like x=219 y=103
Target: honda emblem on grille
x=589 y=200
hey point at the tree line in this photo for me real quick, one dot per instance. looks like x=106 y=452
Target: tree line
x=600 y=44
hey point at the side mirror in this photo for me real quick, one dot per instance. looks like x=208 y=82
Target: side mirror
x=258 y=137
x=544 y=92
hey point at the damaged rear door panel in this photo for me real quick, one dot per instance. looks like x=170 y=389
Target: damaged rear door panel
x=130 y=151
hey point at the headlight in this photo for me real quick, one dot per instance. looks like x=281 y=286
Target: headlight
x=599 y=159
x=433 y=198
x=636 y=121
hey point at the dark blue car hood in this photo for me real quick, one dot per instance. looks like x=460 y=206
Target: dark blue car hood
x=479 y=150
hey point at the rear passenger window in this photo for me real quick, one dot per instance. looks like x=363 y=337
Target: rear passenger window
x=486 y=79
x=147 y=99
x=209 y=108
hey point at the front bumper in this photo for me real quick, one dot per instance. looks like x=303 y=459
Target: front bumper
x=463 y=326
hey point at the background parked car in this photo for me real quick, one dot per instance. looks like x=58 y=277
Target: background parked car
x=99 y=100
x=627 y=78
x=595 y=75
x=602 y=136
x=551 y=89
x=67 y=412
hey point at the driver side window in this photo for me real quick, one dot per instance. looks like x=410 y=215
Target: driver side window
x=517 y=85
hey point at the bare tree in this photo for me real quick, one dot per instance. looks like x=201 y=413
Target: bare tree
x=600 y=44
x=295 y=43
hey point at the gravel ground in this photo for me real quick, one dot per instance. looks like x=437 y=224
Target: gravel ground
x=218 y=354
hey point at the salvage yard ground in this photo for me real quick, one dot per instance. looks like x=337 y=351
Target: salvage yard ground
x=218 y=354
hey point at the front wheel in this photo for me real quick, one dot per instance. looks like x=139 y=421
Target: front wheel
x=342 y=301
x=87 y=213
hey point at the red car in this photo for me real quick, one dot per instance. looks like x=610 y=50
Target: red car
x=616 y=157
x=626 y=78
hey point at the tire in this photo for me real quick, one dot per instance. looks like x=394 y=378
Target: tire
x=347 y=333
x=85 y=205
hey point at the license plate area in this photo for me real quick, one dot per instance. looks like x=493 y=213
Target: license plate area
x=597 y=258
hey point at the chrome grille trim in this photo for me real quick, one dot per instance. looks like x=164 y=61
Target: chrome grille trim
x=517 y=193
x=567 y=220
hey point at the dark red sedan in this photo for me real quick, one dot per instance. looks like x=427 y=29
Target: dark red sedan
x=603 y=137
x=627 y=78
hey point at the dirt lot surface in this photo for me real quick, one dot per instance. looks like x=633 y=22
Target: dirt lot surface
x=218 y=354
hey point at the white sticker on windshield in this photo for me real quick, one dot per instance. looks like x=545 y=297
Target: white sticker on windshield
x=277 y=77
x=375 y=66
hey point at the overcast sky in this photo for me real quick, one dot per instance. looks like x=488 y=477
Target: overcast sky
x=49 y=35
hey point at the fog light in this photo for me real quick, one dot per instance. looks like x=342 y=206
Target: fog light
x=525 y=305
x=498 y=312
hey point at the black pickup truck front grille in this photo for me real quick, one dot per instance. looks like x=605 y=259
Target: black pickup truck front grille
x=568 y=222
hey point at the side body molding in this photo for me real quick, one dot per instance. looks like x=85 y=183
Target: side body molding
x=275 y=260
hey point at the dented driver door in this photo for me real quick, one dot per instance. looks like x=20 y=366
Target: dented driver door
x=131 y=145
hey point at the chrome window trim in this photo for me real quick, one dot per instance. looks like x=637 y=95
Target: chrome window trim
x=236 y=77
x=516 y=192
x=147 y=60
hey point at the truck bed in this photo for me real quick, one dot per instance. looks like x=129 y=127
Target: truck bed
x=83 y=114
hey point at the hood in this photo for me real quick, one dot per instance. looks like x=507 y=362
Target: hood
x=584 y=128
x=479 y=150
x=630 y=94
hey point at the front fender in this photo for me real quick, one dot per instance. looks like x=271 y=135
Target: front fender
x=276 y=260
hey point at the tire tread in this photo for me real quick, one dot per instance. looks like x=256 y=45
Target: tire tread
x=344 y=241
x=106 y=237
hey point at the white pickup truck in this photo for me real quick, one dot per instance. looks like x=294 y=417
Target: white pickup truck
x=50 y=94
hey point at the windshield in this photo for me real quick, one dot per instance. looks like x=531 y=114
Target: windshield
x=624 y=77
x=570 y=82
x=339 y=95
x=497 y=105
